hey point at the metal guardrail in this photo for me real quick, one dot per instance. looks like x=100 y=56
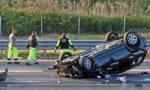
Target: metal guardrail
x=50 y=44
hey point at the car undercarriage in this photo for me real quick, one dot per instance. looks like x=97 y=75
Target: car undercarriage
x=117 y=55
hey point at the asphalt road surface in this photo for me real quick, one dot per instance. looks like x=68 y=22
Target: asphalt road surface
x=39 y=74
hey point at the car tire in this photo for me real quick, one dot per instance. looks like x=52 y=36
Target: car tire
x=65 y=55
x=86 y=63
x=132 y=41
x=109 y=35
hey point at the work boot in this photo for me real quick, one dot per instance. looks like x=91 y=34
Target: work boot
x=36 y=62
x=16 y=61
x=9 y=61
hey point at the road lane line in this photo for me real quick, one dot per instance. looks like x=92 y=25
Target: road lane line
x=23 y=70
x=139 y=70
x=42 y=70
x=51 y=60
x=41 y=60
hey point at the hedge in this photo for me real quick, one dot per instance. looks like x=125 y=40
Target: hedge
x=26 y=21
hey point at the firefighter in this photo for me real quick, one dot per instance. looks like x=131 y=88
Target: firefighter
x=12 y=49
x=32 y=44
x=64 y=43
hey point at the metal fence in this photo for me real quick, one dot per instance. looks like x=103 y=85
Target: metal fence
x=44 y=25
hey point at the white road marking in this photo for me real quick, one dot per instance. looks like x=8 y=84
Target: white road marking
x=29 y=81
x=34 y=70
x=40 y=60
x=139 y=70
x=23 y=70
x=49 y=60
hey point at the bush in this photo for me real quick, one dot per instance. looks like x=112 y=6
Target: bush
x=25 y=21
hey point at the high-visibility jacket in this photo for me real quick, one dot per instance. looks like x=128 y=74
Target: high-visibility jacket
x=64 y=43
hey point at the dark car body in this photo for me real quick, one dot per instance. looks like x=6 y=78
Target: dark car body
x=116 y=56
x=3 y=75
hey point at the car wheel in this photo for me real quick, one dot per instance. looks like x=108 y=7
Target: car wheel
x=86 y=63
x=132 y=41
x=65 y=55
x=110 y=36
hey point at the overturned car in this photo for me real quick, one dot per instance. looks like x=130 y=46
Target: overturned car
x=3 y=75
x=117 y=55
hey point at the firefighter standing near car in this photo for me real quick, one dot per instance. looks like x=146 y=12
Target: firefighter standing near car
x=12 y=49
x=64 y=43
x=32 y=44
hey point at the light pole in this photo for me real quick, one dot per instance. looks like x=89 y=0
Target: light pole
x=124 y=24
x=0 y=25
x=79 y=31
x=41 y=26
